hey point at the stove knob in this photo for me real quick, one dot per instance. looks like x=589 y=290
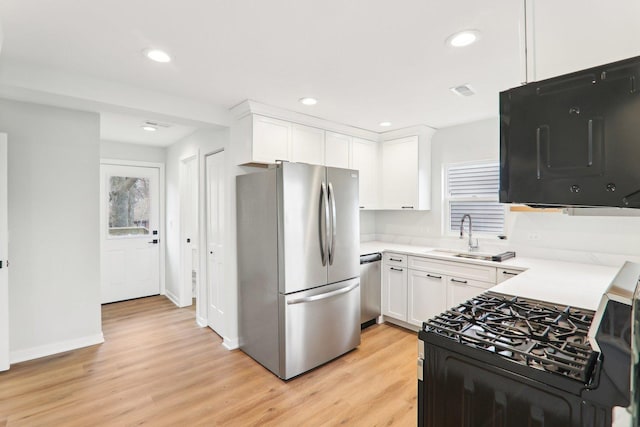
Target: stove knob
x=574 y=188
x=611 y=187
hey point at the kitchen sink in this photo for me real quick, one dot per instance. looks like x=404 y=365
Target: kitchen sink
x=483 y=256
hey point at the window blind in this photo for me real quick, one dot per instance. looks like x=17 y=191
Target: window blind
x=473 y=189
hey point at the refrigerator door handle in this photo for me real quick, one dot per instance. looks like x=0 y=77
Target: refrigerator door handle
x=325 y=295
x=324 y=222
x=332 y=201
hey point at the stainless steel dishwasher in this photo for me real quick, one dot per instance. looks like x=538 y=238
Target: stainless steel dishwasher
x=370 y=289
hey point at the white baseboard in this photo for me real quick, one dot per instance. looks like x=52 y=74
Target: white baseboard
x=55 y=348
x=230 y=343
x=172 y=298
x=397 y=322
x=201 y=321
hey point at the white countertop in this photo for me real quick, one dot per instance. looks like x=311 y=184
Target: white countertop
x=575 y=284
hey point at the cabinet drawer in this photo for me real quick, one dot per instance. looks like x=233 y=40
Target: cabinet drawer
x=395 y=259
x=460 y=289
x=452 y=268
x=506 y=273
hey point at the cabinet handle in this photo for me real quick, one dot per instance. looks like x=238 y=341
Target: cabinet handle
x=508 y=273
x=458 y=281
x=396 y=269
x=361 y=207
x=407 y=207
x=395 y=259
x=433 y=276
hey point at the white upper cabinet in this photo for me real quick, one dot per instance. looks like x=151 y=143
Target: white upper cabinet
x=571 y=35
x=400 y=173
x=307 y=144
x=337 y=150
x=366 y=160
x=271 y=140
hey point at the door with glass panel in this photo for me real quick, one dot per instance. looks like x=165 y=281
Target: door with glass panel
x=129 y=231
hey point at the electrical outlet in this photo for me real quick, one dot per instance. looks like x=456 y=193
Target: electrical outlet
x=533 y=235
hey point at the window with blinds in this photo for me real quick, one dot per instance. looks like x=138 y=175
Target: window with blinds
x=473 y=189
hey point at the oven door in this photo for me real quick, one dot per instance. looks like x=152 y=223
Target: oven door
x=319 y=325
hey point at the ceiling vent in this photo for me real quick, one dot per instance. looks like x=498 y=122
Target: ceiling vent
x=156 y=124
x=463 y=90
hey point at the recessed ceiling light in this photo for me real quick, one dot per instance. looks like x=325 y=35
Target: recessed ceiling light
x=149 y=128
x=385 y=124
x=463 y=38
x=308 y=101
x=157 y=55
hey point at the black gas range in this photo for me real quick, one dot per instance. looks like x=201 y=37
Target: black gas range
x=503 y=360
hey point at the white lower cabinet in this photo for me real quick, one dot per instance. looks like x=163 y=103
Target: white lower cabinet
x=394 y=292
x=506 y=274
x=460 y=289
x=427 y=296
x=417 y=288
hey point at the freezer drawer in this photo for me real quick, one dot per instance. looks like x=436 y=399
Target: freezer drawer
x=319 y=325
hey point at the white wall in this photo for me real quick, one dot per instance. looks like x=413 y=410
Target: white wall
x=126 y=151
x=606 y=240
x=54 y=278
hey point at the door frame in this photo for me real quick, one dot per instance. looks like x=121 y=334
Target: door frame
x=184 y=286
x=4 y=229
x=161 y=226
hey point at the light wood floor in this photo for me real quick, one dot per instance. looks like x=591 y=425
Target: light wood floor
x=158 y=368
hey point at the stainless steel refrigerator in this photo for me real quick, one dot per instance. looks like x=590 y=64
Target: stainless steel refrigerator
x=298 y=230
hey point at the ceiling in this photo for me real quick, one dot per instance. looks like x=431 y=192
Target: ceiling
x=128 y=128
x=366 y=61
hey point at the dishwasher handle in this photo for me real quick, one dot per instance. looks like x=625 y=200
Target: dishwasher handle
x=369 y=258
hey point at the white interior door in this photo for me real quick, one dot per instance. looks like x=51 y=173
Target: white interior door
x=189 y=229
x=215 y=247
x=130 y=232
x=4 y=255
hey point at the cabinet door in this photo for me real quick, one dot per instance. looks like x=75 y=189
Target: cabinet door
x=337 y=150
x=427 y=296
x=394 y=292
x=270 y=139
x=460 y=290
x=365 y=160
x=307 y=145
x=400 y=173
x=601 y=32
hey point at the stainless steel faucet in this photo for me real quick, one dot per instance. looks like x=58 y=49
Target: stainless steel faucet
x=472 y=245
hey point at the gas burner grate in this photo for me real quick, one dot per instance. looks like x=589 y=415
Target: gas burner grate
x=538 y=334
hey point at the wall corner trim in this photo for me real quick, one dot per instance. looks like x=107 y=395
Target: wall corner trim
x=230 y=343
x=172 y=298
x=55 y=348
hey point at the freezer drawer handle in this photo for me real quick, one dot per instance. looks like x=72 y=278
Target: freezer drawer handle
x=325 y=295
